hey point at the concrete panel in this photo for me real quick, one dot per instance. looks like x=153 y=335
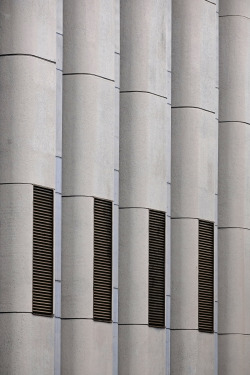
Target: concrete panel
x=57 y=349
x=115 y=305
x=144 y=46
x=168 y=7
x=27 y=120
x=184 y=274
x=117 y=26
x=168 y=151
x=194 y=180
x=142 y=350
x=59 y=16
x=232 y=355
x=16 y=212
x=59 y=51
x=116 y=187
x=117 y=70
x=168 y=256
x=193 y=54
x=115 y=349
x=234 y=161
x=115 y=246
x=58 y=187
x=192 y=352
x=58 y=299
x=86 y=347
x=77 y=257
x=88 y=164
x=89 y=37
x=235 y=78
x=133 y=266
x=143 y=151
x=234 y=285
x=117 y=130
x=28 y=27
x=235 y=7
x=26 y=344
x=58 y=235
x=59 y=86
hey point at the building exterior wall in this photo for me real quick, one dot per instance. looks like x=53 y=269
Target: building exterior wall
x=27 y=148
x=144 y=104
x=234 y=179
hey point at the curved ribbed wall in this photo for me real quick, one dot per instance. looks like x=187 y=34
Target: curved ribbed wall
x=110 y=108
x=194 y=177
x=88 y=173
x=144 y=155
x=234 y=184
x=27 y=158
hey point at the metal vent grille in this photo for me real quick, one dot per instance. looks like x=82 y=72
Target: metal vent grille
x=156 y=308
x=102 y=260
x=43 y=208
x=206 y=276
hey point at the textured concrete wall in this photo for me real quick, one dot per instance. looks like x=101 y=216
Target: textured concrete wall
x=194 y=176
x=58 y=186
x=144 y=153
x=88 y=172
x=27 y=157
x=234 y=184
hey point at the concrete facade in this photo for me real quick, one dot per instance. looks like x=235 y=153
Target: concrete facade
x=144 y=103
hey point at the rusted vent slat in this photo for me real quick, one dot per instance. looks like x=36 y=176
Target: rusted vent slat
x=102 y=260
x=206 y=276
x=156 y=306
x=43 y=239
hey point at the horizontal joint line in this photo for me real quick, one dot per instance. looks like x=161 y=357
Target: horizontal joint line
x=143 y=92
x=235 y=15
x=233 y=228
x=210 y=2
x=185 y=217
x=234 y=333
x=192 y=107
x=76 y=318
x=27 y=55
x=15 y=312
x=240 y=122
x=88 y=74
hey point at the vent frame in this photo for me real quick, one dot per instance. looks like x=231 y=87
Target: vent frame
x=155 y=319
x=205 y=294
x=99 y=310
x=49 y=247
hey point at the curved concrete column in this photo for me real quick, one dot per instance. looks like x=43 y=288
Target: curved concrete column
x=144 y=175
x=194 y=176
x=88 y=172
x=27 y=157
x=234 y=185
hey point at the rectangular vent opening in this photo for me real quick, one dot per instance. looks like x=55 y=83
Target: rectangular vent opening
x=206 y=277
x=102 y=260
x=156 y=308
x=43 y=239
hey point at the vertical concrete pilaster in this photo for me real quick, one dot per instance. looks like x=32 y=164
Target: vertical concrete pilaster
x=144 y=174
x=27 y=157
x=88 y=172
x=194 y=176
x=234 y=184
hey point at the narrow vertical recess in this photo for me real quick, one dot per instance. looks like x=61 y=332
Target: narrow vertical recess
x=156 y=305
x=206 y=276
x=43 y=240
x=102 y=260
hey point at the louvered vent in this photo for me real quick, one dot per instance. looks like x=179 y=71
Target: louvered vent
x=156 y=313
x=43 y=251
x=102 y=260
x=206 y=276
